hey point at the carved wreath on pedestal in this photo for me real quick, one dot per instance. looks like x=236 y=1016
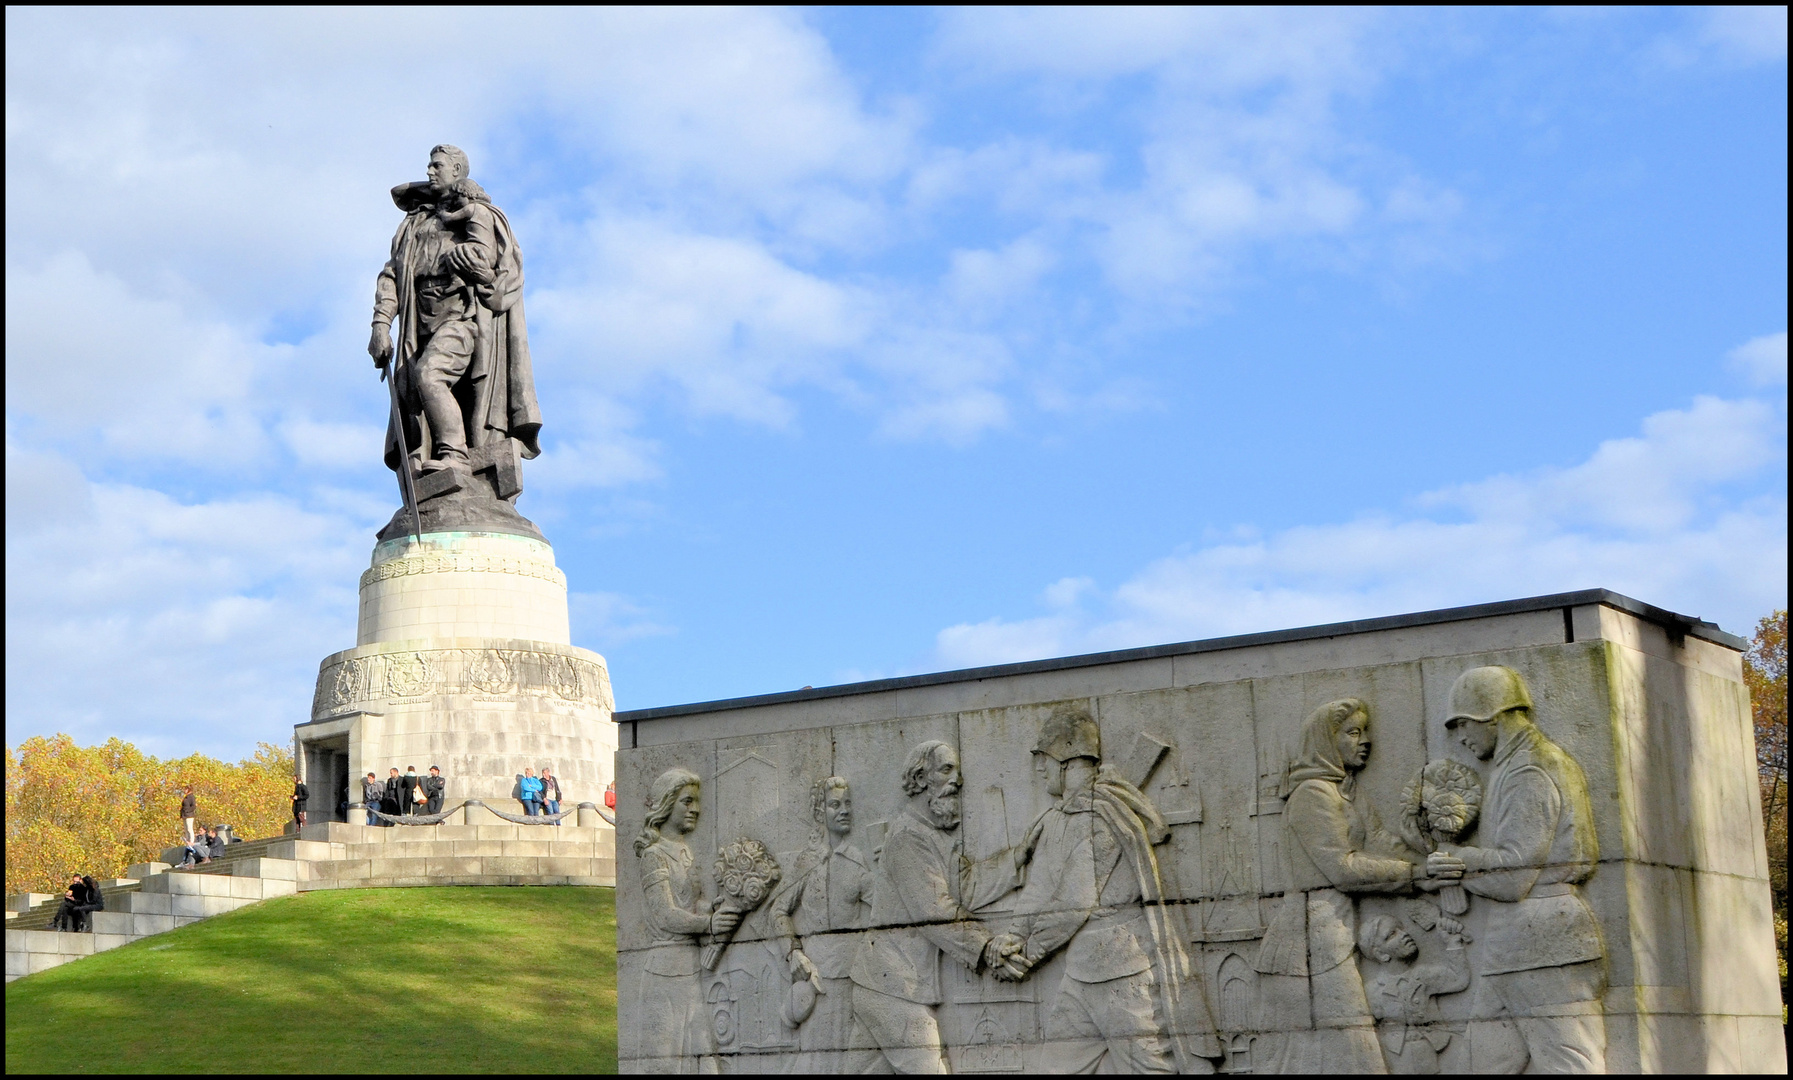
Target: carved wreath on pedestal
x=563 y=673
x=409 y=674
x=350 y=683
x=493 y=672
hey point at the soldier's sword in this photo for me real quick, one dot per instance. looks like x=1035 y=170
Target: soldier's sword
x=398 y=428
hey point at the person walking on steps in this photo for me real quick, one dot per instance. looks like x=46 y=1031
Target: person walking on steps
x=300 y=795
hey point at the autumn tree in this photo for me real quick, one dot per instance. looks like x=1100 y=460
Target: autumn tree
x=98 y=809
x=1765 y=670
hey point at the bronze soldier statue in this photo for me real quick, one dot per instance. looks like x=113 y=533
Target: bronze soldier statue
x=465 y=393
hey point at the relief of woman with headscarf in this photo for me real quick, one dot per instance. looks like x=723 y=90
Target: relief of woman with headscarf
x=672 y=1031
x=1337 y=848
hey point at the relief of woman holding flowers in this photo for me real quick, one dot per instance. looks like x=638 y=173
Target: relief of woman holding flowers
x=674 y=1022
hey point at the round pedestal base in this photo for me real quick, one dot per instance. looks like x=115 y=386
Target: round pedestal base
x=483 y=709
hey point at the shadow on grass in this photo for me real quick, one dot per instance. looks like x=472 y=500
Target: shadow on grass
x=459 y=979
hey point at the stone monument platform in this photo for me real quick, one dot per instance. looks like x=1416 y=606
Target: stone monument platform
x=463 y=660
x=1518 y=836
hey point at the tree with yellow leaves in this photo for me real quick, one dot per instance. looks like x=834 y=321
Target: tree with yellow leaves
x=1765 y=670
x=97 y=809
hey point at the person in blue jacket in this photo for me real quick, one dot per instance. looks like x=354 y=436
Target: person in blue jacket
x=530 y=789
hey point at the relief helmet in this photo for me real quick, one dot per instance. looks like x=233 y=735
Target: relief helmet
x=1070 y=732
x=1485 y=692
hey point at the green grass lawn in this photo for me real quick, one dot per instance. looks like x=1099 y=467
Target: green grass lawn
x=416 y=981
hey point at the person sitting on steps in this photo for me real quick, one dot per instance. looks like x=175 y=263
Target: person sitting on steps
x=82 y=898
x=550 y=792
x=529 y=791
x=65 y=914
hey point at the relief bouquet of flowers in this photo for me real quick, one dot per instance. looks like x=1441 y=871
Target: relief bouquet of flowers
x=745 y=873
x=1440 y=804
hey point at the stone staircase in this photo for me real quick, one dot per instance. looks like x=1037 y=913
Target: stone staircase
x=480 y=849
x=158 y=901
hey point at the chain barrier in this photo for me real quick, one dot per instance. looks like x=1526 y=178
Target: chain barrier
x=415 y=819
x=520 y=819
x=535 y=819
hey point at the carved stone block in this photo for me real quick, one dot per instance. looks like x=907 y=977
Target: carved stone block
x=1515 y=837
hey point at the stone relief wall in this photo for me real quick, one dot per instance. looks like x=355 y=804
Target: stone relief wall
x=1396 y=868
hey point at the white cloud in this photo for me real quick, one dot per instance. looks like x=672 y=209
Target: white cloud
x=1656 y=516
x=722 y=318
x=1724 y=36
x=1657 y=483
x=723 y=237
x=175 y=189
x=606 y=454
x=1763 y=360
x=84 y=349
x=1749 y=34
x=331 y=444
x=604 y=620
x=1238 y=143
x=178 y=626
x=987 y=281
x=1216 y=47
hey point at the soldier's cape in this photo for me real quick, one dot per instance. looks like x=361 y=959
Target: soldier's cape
x=1140 y=828
x=503 y=381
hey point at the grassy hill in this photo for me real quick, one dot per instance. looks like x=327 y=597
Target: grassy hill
x=448 y=979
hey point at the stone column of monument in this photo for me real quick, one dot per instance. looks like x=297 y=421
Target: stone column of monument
x=462 y=658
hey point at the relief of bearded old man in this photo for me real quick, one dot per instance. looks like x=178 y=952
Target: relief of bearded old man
x=454 y=284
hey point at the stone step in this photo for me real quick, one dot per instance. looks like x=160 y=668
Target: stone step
x=494 y=831
x=457 y=870
x=277 y=848
x=605 y=881
x=469 y=848
x=205 y=879
x=242 y=850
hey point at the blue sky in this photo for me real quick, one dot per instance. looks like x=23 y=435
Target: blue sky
x=875 y=342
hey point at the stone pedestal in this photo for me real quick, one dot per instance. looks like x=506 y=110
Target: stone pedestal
x=463 y=660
